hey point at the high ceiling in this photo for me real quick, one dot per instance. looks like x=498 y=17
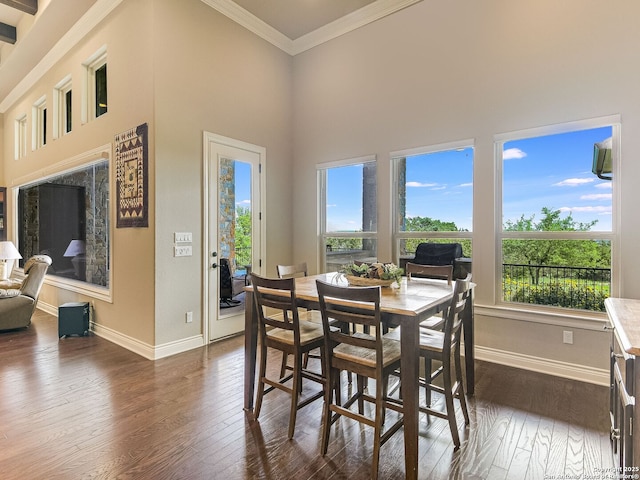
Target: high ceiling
x=292 y=25
x=295 y=18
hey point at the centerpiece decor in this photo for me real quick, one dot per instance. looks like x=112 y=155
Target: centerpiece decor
x=369 y=274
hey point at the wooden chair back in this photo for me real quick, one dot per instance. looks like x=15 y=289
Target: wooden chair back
x=292 y=271
x=442 y=272
x=358 y=307
x=453 y=319
x=277 y=294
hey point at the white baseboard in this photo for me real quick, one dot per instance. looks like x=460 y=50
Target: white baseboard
x=143 y=349
x=572 y=371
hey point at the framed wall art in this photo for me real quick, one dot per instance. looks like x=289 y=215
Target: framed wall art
x=131 y=156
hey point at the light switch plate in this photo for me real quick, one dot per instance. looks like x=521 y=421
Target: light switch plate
x=183 y=237
x=182 y=251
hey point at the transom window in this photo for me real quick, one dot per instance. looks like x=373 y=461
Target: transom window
x=96 y=92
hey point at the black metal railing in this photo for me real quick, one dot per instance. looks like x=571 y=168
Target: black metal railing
x=583 y=288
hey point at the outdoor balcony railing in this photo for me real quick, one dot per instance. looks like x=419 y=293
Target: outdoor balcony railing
x=570 y=287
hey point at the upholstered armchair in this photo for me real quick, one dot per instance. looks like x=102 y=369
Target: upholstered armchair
x=18 y=299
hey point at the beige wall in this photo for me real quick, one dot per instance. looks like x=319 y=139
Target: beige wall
x=184 y=69
x=438 y=72
x=130 y=104
x=212 y=75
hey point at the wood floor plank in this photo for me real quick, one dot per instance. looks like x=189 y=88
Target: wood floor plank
x=82 y=407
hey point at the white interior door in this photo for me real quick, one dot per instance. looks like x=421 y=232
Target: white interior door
x=234 y=230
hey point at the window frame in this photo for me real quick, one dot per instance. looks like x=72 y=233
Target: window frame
x=323 y=234
x=39 y=123
x=612 y=121
x=20 y=137
x=93 y=63
x=60 y=107
x=395 y=156
x=81 y=161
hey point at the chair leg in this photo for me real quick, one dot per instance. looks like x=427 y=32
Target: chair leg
x=461 y=395
x=261 y=375
x=326 y=409
x=428 y=365
x=361 y=382
x=378 y=422
x=296 y=383
x=448 y=396
x=283 y=367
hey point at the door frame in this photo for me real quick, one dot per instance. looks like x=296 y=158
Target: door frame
x=208 y=139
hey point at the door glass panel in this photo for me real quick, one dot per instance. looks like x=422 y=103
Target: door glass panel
x=234 y=233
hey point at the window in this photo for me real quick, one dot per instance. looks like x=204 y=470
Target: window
x=349 y=215
x=433 y=192
x=66 y=216
x=96 y=92
x=557 y=215
x=62 y=108
x=39 y=126
x=20 y=137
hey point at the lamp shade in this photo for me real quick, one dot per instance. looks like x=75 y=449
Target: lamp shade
x=8 y=251
x=76 y=247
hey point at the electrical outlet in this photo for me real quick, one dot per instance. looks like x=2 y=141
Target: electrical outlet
x=189 y=317
x=182 y=251
x=567 y=337
x=183 y=237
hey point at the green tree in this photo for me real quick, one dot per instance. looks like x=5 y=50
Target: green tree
x=426 y=224
x=243 y=236
x=541 y=252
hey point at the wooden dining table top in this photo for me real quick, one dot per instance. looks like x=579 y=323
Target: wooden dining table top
x=410 y=298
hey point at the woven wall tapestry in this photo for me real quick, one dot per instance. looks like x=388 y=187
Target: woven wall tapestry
x=131 y=178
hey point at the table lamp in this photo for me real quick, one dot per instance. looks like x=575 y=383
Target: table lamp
x=76 y=250
x=8 y=253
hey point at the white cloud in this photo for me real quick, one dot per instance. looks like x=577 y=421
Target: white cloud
x=420 y=184
x=604 y=185
x=597 y=196
x=573 y=182
x=513 y=153
x=591 y=209
x=244 y=202
x=470 y=184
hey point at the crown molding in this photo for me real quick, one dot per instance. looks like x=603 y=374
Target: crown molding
x=82 y=27
x=252 y=23
x=365 y=15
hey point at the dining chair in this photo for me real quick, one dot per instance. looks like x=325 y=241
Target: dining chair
x=438 y=272
x=367 y=355
x=284 y=331
x=295 y=271
x=444 y=346
x=287 y=271
x=443 y=272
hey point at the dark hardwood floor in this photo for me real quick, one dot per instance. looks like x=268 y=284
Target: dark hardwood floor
x=84 y=408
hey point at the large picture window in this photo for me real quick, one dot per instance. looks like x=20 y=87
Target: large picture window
x=557 y=215
x=349 y=214
x=67 y=217
x=433 y=198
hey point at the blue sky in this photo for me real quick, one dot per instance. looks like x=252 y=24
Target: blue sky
x=555 y=172
x=552 y=171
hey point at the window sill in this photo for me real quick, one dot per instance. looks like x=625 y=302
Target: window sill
x=83 y=288
x=545 y=315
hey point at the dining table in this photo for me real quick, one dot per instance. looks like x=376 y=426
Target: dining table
x=405 y=306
